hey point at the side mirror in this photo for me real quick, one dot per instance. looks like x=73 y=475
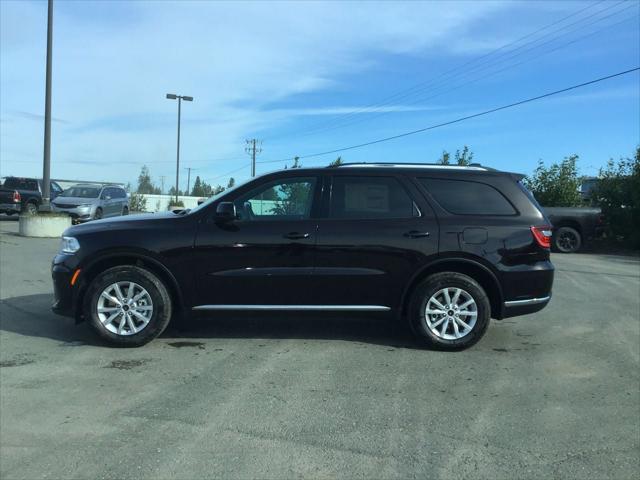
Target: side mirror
x=226 y=212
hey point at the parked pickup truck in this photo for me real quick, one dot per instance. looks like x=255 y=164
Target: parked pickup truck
x=19 y=194
x=573 y=226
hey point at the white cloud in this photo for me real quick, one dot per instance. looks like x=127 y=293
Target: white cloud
x=114 y=63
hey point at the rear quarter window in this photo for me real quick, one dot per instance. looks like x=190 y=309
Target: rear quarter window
x=463 y=197
x=21 y=184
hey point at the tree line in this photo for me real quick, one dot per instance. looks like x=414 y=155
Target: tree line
x=616 y=189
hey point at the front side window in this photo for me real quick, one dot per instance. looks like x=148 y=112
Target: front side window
x=370 y=197
x=288 y=199
x=463 y=197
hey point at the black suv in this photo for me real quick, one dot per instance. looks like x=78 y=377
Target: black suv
x=445 y=247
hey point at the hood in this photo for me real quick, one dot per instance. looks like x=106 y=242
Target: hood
x=125 y=221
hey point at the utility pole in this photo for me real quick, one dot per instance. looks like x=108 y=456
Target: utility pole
x=162 y=184
x=188 y=178
x=46 y=164
x=253 y=148
x=173 y=96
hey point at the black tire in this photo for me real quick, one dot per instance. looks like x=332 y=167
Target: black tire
x=30 y=208
x=567 y=240
x=98 y=214
x=433 y=284
x=162 y=305
x=125 y=211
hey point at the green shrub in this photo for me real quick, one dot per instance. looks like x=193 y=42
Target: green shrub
x=137 y=202
x=618 y=194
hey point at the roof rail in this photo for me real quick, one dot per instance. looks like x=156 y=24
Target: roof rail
x=473 y=166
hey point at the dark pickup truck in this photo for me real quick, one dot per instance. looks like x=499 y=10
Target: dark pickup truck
x=19 y=194
x=573 y=226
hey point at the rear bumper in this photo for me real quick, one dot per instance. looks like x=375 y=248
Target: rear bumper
x=514 y=308
x=527 y=288
x=10 y=207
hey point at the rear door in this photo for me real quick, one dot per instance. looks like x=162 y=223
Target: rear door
x=376 y=233
x=112 y=202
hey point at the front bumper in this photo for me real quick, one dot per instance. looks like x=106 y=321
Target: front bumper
x=62 y=270
x=78 y=214
x=10 y=207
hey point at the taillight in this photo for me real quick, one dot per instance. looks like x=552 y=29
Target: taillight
x=16 y=197
x=542 y=235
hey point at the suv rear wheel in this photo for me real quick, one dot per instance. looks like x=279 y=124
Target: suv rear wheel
x=128 y=306
x=449 y=311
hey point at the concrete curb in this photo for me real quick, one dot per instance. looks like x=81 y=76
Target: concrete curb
x=43 y=226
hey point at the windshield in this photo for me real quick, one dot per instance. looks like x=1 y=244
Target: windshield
x=213 y=198
x=81 y=192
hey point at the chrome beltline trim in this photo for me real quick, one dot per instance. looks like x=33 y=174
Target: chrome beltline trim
x=528 y=301
x=349 y=308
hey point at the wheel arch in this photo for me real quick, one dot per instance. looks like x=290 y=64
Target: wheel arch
x=568 y=222
x=120 y=258
x=471 y=267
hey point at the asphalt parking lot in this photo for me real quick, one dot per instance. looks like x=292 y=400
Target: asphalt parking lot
x=550 y=395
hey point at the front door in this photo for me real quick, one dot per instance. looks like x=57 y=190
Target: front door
x=265 y=257
x=377 y=232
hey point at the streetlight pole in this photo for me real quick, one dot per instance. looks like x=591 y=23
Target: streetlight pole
x=46 y=164
x=172 y=96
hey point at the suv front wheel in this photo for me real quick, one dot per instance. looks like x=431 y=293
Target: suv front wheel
x=127 y=306
x=449 y=311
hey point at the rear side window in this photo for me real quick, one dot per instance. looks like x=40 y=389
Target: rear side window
x=463 y=197
x=21 y=184
x=370 y=197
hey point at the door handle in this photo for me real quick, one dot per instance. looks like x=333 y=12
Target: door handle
x=416 y=234
x=296 y=236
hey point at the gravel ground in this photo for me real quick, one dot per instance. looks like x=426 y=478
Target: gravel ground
x=550 y=395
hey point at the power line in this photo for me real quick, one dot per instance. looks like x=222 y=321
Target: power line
x=253 y=148
x=229 y=173
x=461 y=119
x=435 y=82
x=507 y=56
x=495 y=72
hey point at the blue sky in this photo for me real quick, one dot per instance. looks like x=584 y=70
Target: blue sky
x=312 y=76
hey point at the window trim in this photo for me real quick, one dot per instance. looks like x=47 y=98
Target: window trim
x=400 y=181
x=515 y=213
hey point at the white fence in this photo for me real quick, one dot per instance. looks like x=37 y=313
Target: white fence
x=158 y=203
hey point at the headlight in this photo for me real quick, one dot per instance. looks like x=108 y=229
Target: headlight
x=85 y=205
x=69 y=245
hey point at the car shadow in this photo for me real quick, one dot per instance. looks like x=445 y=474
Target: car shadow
x=31 y=315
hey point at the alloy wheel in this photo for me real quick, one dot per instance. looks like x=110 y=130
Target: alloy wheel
x=124 y=308
x=451 y=313
x=567 y=241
